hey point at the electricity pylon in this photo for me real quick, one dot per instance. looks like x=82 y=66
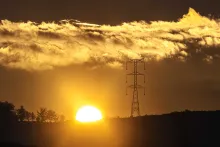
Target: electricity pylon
x=135 y=110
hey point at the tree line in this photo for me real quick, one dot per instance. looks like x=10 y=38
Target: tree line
x=8 y=112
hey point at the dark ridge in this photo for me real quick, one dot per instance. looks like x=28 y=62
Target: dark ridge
x=177 y=129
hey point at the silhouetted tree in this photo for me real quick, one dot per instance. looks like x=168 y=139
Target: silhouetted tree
x=21 y=113
x=42 y=115
x=187 y=111
x=28 y=116
x=7 y=112
x=62 y=118
x=52 y=116
x=33 y=117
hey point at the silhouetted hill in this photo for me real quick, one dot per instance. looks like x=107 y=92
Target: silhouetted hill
x=8 y=144
x=178 y=129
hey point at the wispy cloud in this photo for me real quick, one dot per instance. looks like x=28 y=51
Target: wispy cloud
x=32 y=46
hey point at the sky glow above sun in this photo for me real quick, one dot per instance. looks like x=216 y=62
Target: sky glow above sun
x=88 y=114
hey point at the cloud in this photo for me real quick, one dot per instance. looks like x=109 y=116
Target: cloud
x=33 y=46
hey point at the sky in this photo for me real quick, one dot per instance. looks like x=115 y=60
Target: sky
x=65 y=54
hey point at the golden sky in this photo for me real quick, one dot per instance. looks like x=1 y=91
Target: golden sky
x=67 y=64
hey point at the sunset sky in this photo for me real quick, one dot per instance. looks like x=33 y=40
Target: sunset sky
x=64 y=54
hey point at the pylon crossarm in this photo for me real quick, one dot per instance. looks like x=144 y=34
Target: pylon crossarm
x=129 y=61
x=141 y=87
x=127 y=76
x=130 y=86
x=138 y=60
x=140 y=74
x=131 y=74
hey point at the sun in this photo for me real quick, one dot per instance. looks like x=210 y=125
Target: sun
x=88 y=114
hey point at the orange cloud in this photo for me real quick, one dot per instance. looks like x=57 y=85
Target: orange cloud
x=32 y=46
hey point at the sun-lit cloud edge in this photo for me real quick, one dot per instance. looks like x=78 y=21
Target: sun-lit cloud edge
x=43 y=46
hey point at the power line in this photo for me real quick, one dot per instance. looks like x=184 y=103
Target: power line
x=135 y=110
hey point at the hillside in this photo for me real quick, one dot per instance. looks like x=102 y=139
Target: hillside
x=179 y=129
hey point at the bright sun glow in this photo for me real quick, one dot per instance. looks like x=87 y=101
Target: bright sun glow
x=88 y=114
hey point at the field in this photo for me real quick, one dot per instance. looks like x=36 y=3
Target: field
x=179 y=129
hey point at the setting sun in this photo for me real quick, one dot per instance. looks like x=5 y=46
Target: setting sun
x=88 y=114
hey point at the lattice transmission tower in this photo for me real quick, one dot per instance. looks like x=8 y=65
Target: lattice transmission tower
x=135 y=110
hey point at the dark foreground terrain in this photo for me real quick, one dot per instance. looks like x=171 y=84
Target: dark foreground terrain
x=180 y=129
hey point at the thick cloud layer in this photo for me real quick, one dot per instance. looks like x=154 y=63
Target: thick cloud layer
x=32 y=46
